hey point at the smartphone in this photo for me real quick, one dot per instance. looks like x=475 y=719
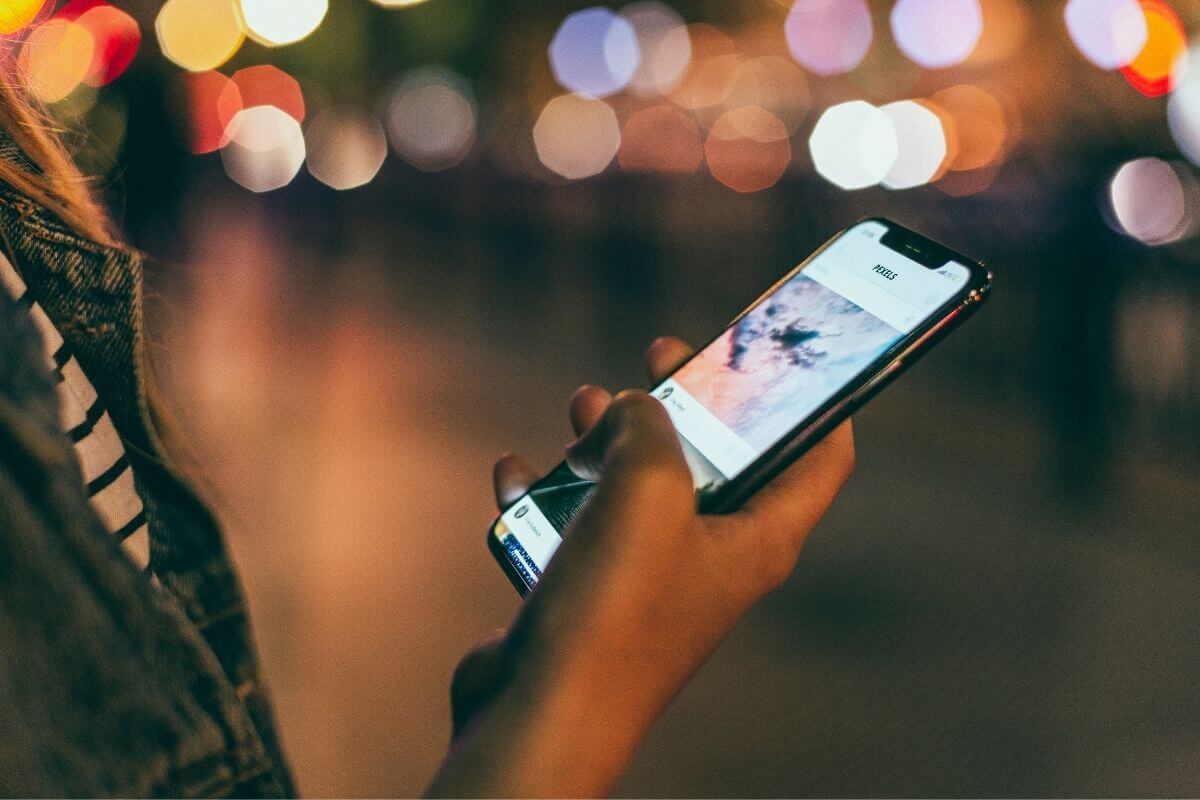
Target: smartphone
x=798 y=361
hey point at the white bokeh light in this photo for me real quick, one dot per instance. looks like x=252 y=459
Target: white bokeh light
x=665 y=49
x=576 y=137
x=346 y=147
x=594 y=53
x=431 y=121
x=1183 y=109
x=265 y=148
x=922 y=145
x=937 y=33
x=1109 y=33
x=854 y=145
x=280 y=22
x=1149 y=201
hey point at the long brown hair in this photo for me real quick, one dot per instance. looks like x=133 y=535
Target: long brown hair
x=57 y=183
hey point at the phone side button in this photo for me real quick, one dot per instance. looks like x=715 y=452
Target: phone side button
x=876 y=384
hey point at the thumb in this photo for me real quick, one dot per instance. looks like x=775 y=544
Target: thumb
x=635 y=433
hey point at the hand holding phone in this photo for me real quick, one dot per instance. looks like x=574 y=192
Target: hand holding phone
x=817 y=345
x=642 y=591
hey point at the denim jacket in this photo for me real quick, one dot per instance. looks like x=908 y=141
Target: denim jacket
x=110 y=685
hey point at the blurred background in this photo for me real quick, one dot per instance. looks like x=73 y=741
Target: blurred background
x=388 y=239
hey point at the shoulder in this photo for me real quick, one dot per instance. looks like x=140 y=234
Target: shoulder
x=25 y=380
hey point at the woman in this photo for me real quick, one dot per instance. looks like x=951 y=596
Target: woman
x=126 y=661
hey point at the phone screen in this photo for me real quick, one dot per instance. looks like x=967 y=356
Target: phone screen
x=770 y=372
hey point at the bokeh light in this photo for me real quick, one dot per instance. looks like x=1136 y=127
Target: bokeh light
x=279 y=22
x=115 y=38
x=937 y=33
x=431 y=120
x=346 y=147
x=710 y=75
x=265 y=148
x=975 y=122
x=594 y=52
x=829 y=37
x=212 y=102
x=664 y=46
x=16 y=14
x=1149 y=201
x=747 y=149
x=921 y=142
x=268 y=85
x=1183 y=112
x=1109 y=33
x=1005 y=29
x=1163 y=59
x=576 y=137
x=199 y=34
x=771 y=83
x=854 y=145
x=55 y=58
x=660 y=139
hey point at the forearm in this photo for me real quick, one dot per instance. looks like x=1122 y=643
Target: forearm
x=546 y=738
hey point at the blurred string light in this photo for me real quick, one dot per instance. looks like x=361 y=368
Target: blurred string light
x=267 y=85
x=663 y=44
x=115 y=38
x=594 y=53
x=279 y=22
x=773 y=84
x=829 y=37
x=937 y=33
x=1163 y=58
x=854 y=145
x=1109 y=33
x=55 y=58
x=346 y=147
x=660 y=138
x=199 y=35
x=1183 y=111
x=1149 y=198
x=16 y=14
x=921 y=145
x=265 y=148
x=576 y=137
x=747 y=149
x=212 y=102
x=710 y=76
x=431 y=119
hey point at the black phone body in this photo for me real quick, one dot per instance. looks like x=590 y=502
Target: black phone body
x=799 y=360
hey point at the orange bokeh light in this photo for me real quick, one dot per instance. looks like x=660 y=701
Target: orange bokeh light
x=1166 y=42
x=975 y=125
x=711 y=74
x=55 y=58
x=266 y=85
x=213 y=101
x=660 y=139
x=748 y=149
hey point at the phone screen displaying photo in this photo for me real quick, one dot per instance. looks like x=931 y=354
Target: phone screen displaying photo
x=767 y=374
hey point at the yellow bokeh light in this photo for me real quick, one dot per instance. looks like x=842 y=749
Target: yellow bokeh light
x=16 y=14
x=199 y=35
x=55 y=58
x=279 y=22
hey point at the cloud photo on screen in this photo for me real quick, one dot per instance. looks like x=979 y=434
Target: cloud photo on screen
x=784 y=359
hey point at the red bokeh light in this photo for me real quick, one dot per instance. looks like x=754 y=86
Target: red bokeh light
x=213 y=101
x=265 y=85
x=1166 y=42
x=115 y=38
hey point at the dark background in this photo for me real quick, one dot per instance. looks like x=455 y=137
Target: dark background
x=1003 y=602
